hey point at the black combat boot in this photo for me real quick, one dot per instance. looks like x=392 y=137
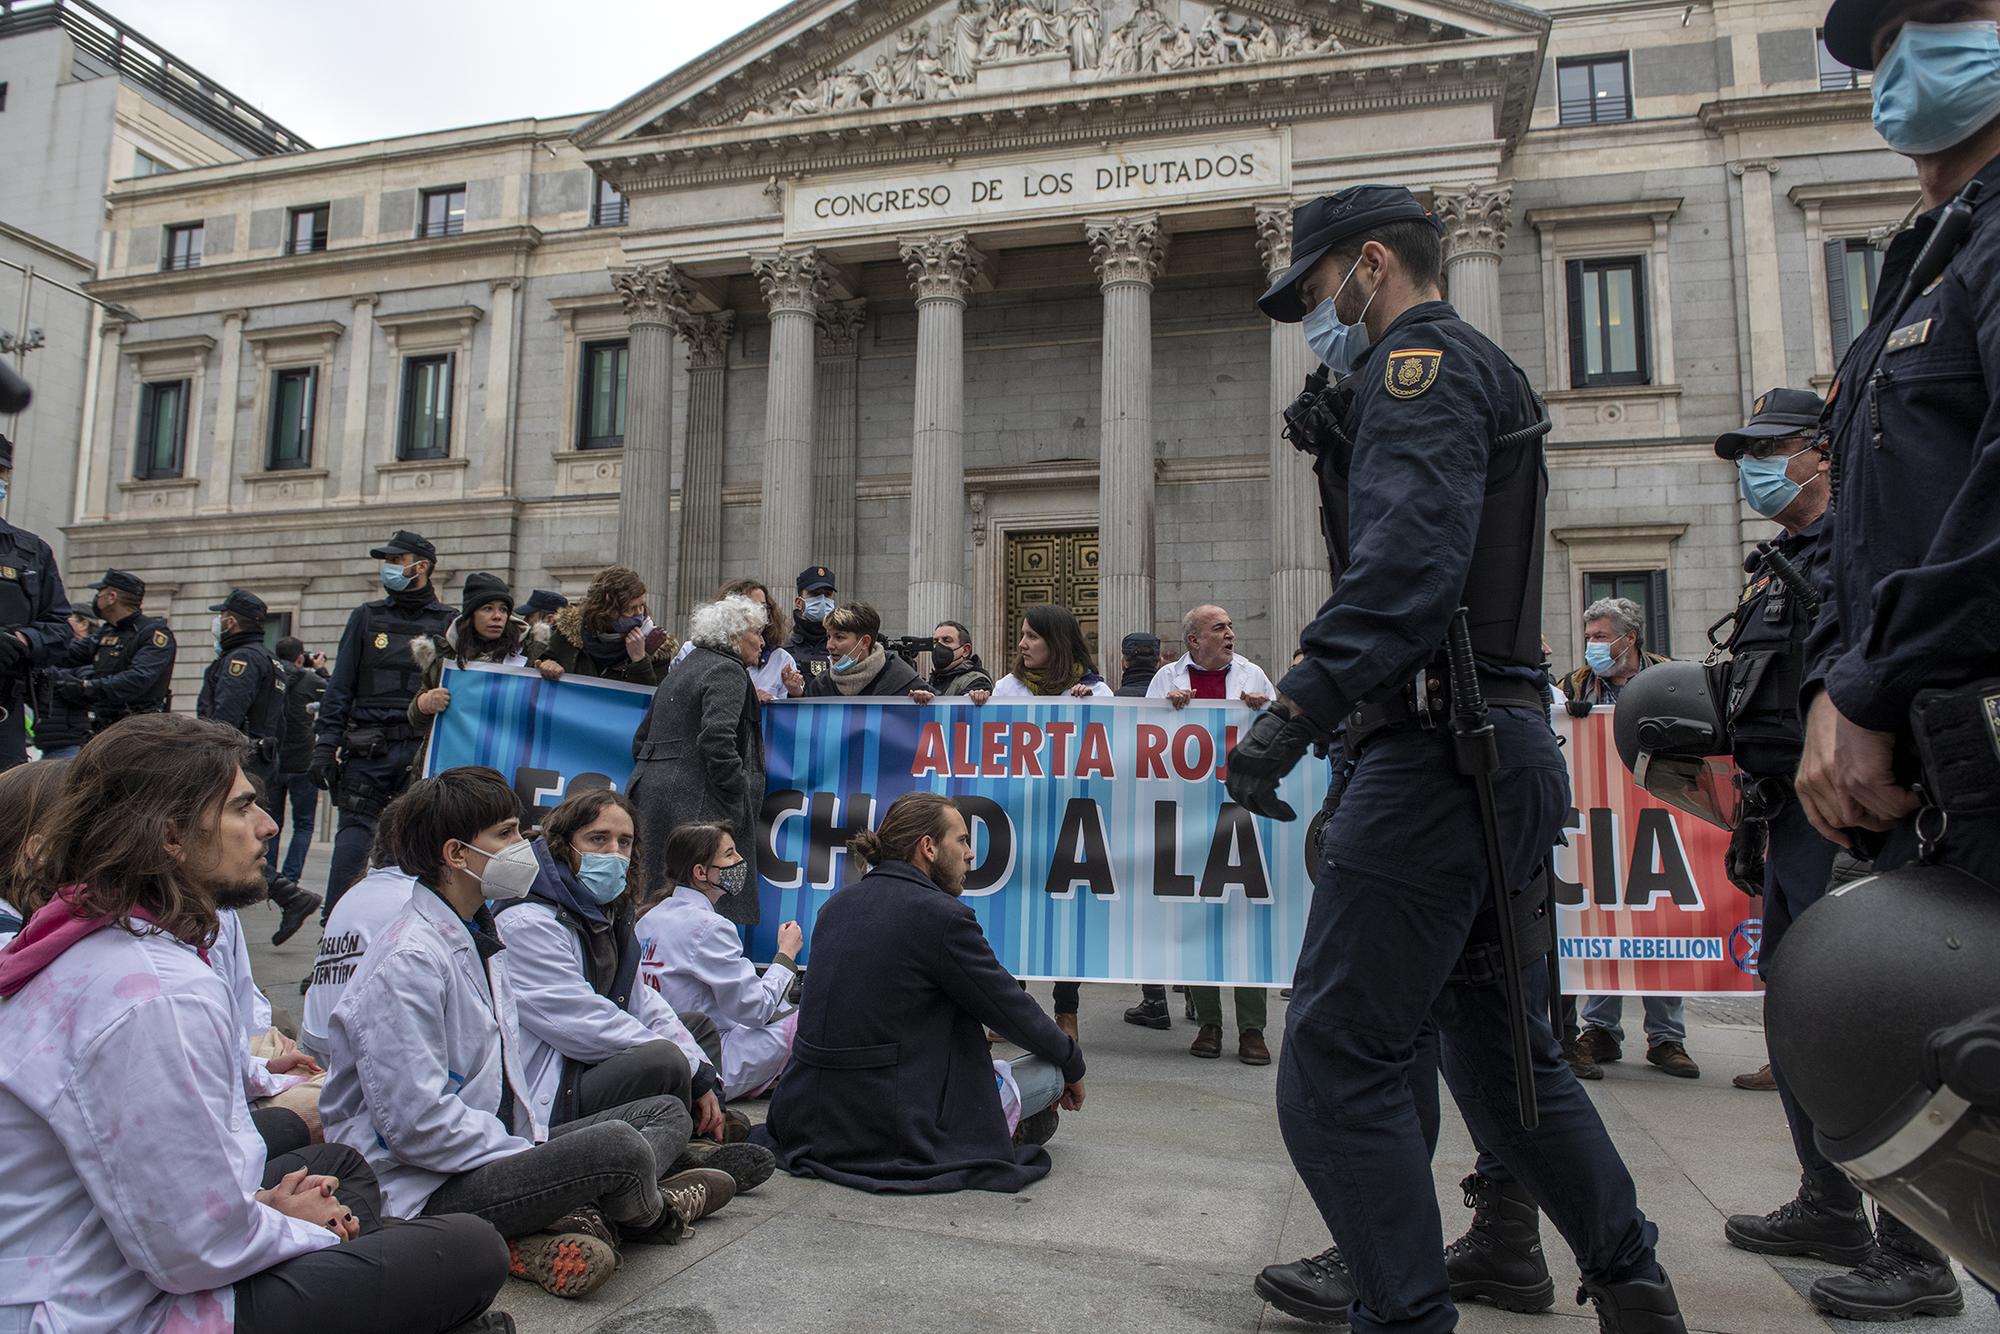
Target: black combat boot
x=1635 y=1306
x=1904 y=1275
x=1499 y=1259
x=1150 y=1013
x=1315 y=1289
x=296 y=904
x=1824 y=1220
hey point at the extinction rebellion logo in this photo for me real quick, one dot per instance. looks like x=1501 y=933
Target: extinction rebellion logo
x=1745 y=942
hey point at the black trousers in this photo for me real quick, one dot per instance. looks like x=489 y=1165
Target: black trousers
x=425 y=1276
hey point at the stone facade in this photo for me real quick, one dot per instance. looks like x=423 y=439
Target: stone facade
x=878 y=330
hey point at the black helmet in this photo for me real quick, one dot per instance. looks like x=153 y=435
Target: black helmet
x=1884 y=1014
x=1669 y=729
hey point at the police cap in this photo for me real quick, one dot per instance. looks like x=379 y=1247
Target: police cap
x=1140 y=647
x=245 y=606
x=124 y=581
x=1849 y=31
x=6 y=452
x=1320 y=224
x=544 y=600
x=1774 y=415
x=816 y=579
x=406 y=543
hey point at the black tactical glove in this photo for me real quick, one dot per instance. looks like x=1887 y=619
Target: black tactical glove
x=72 y=690
x=14 y=654
x=1276 y=741
x=323 y=768
x=1745 y=859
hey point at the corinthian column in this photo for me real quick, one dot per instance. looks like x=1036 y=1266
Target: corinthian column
x=1129 y=251
x=1475 y=232
x=654 y=297
x=942 y=268
x=1299 y=578
x=794 y=283
x=699 y=568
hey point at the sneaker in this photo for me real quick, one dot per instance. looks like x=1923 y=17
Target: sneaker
x=1579 y=1060
x=1207 y=1042
x=1039 y=1128
x=696 y=1192
x=301 y=906
x=589 y=1220
x=1891 y=1284
x=1315 y=1289
x=1673 y=1059
x=735 y=1126
x=1250 y=1048
x=1598 y=1046
x=1762 y=1081
x=564 y=1264
x=748 y=1165
x=1825 y=1220
x=1150 y=1014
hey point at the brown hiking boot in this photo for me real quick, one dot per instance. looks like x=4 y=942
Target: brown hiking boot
x=564 y=1264
x=1579 y=1060
x=1761 y=1081
x=1207 y=1043
x=697 y=1192
x=1250 y=1048
x=1673 y=1059
x=1599 y=1046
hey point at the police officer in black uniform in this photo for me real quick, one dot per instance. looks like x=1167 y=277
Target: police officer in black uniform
x=365 y=739
x=34 y=629
x=1902 y=686
x=1432 y=486
x=244 y=689
x=130 y=667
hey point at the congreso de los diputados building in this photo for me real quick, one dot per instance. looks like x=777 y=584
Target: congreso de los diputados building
x=957 y=298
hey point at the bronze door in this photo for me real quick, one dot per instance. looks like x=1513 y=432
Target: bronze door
x=1058 y=567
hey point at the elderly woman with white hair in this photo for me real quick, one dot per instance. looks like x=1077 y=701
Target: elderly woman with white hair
x=699 y=753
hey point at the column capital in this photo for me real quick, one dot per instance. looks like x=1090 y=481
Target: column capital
x=840 y=327
x=1274 y=235
x=367 y=299
x=236 y=316
x=1475 y=218
x=1763 y=164
x=943 y=266
x=1126 y=248
x=707 y=337
x=653 y=294
x=794 y=280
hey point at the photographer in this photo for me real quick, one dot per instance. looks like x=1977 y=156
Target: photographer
x=862 y=668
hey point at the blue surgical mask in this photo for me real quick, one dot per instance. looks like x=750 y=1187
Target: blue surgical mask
x=818 y=609
x=395 y=578
x=3 y=489
x=602 y=875
x=1340 y=347
x=1764 y=484
x=1938 y=85
x=1599 y=658
x=846 y=664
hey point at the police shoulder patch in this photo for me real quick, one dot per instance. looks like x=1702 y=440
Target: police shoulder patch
x=1411 y=371
x=236 y=666
x=159 y=639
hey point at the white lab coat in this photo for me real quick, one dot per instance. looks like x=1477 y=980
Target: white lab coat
x=362 y=914
x=1011 y=687
x=768 y=676
x=128 y=1164
x=1245 y=678
x=229 y=956
x=562 y=1015
x=692 y=955
x=417 y=1046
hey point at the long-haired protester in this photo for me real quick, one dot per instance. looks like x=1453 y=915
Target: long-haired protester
x=890 y=1086
x=134 y=1193
x=593 y=1036
x=610 y=634
x=26 y=793
x=426 y=1078
x=1051 y=659
x=693 y=955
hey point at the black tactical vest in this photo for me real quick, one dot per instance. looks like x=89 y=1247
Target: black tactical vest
x=21 y=574
x=1766 y=664
x=116 y=646
x=388 y=677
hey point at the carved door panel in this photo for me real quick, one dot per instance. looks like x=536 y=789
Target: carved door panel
x=1057 y=567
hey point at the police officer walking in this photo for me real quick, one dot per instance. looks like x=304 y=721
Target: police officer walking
x=1432 y=484
x=365 y=739
x=244 y=689
x=34 y=625
x=130 y=667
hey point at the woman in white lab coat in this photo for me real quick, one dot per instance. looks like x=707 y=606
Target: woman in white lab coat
x=694 y=957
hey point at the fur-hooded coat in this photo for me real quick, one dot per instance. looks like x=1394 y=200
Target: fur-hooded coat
x=560 y=640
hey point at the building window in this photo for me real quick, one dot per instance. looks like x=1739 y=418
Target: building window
x=1648 y=588
x=145 y=164
x=183 y=249
x=306 y=233
x=1607 y=322
x=292 y=400
x=425 y=426
x=1834 y=76
x=609 y=209
x=1853 y=268
x=162 y=440
x=1593 y=90
x=444 y=212
x=277 y=625
x=603 y=425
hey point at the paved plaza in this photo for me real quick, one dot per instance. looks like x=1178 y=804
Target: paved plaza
x=1171 y=1189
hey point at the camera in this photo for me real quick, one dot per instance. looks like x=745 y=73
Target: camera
x=909 y=646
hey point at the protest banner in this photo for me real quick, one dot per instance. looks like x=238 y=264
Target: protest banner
x=1105 y=846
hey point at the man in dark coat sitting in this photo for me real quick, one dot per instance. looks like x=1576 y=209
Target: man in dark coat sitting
x=891 y=1087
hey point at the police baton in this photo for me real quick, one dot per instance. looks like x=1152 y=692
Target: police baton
x=1478 y=758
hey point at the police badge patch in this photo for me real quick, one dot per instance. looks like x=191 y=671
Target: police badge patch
x=236 y=666
x=1411 y=371
x=381 y=641
x=159 y=639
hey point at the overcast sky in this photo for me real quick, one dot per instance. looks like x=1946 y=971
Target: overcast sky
x=371 y=69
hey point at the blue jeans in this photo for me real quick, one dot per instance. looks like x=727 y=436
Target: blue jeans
x=1040 y=1081
x=303 y=794
x=1666 y=1017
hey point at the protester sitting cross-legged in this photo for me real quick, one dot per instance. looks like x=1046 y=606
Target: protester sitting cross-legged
x=891 y=1087
x=27 y=791
x=485 y=630
x=425 y=1077
x=693 y=956
x=610 y=634
x=134 y=1193
x=592 y=1036
x=861 y=668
